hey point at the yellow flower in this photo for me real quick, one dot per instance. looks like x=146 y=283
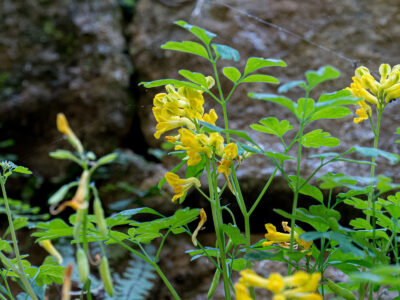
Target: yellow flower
x=78 y=201
x=300 y=286
x=217 y=141
x=275 y=237
x=211 y=117
x=358 y=91
x=242 y=292
x=230 y=151
x=225 y=167
x=63 y=127
x=364 y=112
x=203 y=219
x=46 y=244
x=181 y=186
x=251 y=279
x=194 y=145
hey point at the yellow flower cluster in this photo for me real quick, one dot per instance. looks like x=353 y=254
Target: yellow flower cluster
x=230 y=153
x=299 y=286
x=283 y=239
x=380 y=93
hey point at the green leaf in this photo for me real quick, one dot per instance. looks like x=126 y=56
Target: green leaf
x=286 y=102
x=175 y=82
x=226 y=52
x=330 y=180
x=64 y=154
x=139 y=210
x=61 y=193
x=272 y=125
x=255 y=63
x=22 y=170
x=371 y=152
x=196 y=170
x=238 y=264
x=342 y=97
x=106 y=159
x=5 y=246
x=260 y=78
x=204 y=35
x=284 y=88
x=345 y=243
x=318 y=138
x=49 y=274
x=210 y=127
x=304 y=108
x=195 y=77
x=20 y=222
x=278 y=156
x=233 y=232
x=335 y=112
x=187 y=47
x=323 y=74
x=308 y=189
x=232 y=73
x=52 y=230
x=242 y=135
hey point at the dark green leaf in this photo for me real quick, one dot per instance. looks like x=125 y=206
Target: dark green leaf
x=175 y=82
x=278 y=156
x=304 y=108
x=52 y=230
x=371 y=152
x=140 y=210
x=255 y=63
x=308 y=189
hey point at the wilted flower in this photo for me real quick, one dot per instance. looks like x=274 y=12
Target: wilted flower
x=203 y=219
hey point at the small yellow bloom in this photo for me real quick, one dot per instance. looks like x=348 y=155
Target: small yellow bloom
x=364 y=112
x=225 y=167
x=46 y=244
x=181 y=186
x=217 y=141
x=230 y=151
x=203 y=219
x=172 y=139
x=251 y=279
x=63 y=127
x=242 y=292
x=194 y=145
x=275 y=283
x=275 y=237
x=78 y=201
x=211 y=117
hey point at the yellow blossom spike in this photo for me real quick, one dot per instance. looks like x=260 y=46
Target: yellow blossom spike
x=46 y=244
x=181 y=186
x=242 y=292
x=63 y=127
x=78 y=201
x=203 y=219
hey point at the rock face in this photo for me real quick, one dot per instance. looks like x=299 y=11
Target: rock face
x=306 y=35
x=66 y=57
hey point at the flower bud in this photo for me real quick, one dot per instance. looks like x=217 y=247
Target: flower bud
x=105 y=275
x=83 y=265
x=384 y=70
x=342 y=292
x=214 y=283
x=368 y=82
x=360 y=71
x=210 y=82
x=99 y=215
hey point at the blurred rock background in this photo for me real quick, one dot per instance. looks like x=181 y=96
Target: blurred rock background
x=86 y=58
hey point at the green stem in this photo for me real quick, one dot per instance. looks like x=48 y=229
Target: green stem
x=218 y=222
x=296 y=192
x=7 y=286
x=23 y=277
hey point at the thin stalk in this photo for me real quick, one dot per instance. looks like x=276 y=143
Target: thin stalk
x=217 y=219
x=296 y=192
x=7 y=286
x=23 y=277
x=264 y=190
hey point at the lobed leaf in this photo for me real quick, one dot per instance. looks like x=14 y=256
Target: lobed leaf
x=322 y=74
x=204 y=35
x=318 y=138
x=255 y=63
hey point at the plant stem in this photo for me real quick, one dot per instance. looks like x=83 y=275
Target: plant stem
x=218 y=222
x=296 y=192
x=23 y=278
